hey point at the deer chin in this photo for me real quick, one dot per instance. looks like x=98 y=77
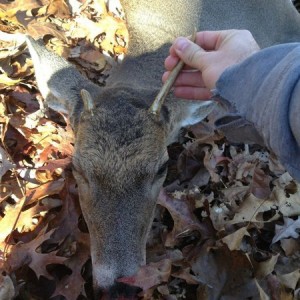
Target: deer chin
x=107 y=288
x=119 y=291
x=104 y=275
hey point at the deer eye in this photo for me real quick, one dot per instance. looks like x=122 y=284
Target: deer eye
x=163 y=168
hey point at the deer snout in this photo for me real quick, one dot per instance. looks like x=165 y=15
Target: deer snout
x=105 y=278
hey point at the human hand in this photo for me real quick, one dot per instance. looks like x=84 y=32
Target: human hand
x=207 y=59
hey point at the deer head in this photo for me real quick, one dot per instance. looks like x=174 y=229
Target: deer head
x=120 y=158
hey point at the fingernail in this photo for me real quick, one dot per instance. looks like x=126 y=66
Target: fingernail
x=181 y=44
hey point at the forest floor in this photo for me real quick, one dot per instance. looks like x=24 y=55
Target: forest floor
x=227 y=223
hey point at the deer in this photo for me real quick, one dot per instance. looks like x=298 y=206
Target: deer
x=120 y=157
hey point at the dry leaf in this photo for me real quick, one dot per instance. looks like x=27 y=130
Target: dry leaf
x=73 y=284
x=289 y=229
x=25 y=253
x=58 y=8
x=266 y=267
x=226 y=273
x=290 y=246
x=234 y=240
x=150 y=275
x=47 y=189
x=184 y=220
x=6 y=81
x=290 y=280
x=5 y=163
x=7 y=289
x=39 y=29
x=215 y=175
x=28 y=219
x=260 y=186
x=262 y=294
x=186 y=275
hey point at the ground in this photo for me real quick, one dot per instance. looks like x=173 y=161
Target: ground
x=227 y=221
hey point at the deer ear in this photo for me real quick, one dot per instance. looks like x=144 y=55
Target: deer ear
x=184 y=113
x=88 y=102
x=61 y=84
x=196 y=112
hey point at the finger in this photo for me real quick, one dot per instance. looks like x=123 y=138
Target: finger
x=192 y=54
x=192 y=93
x=210 y=40
x=165 y=76
x=207 y=40
x=170 y=62
x=193 y=79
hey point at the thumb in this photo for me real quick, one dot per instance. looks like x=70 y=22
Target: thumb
x=190 y=53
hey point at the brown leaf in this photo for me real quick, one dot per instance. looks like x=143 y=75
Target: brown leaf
x=9 y=15
x=227 y=274
x=58 y=8
x=290 y=280
x=184 y=220
x=8 y=221
x=265 y=268
x=262 y=294
x=40 y=29
x=95 y=58
x=186 y=275
x=52 y=165
x=75 y=243
x=7 y=81
x=22 y=4
x=25 y=253
x=274 y=287
x=150 y=275
x=290 y=246
x=190 y=166
x=93 y=31
x=47 y=189
x=71 y=286
x=234 y=240
x=66 y=221
x=260 y=186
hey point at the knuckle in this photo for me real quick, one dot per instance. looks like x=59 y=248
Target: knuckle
x=194 y=55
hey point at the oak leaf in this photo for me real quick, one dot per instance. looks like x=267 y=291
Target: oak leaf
x=234 y=240
x=58 y=8
x=184 y=220
x=72 y=285
x=260 y=185
x=226 y=273
x=150 y=275
x=26 y=253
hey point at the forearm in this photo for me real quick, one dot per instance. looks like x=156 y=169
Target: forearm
x=265 y=90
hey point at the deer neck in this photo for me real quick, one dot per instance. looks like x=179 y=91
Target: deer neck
x=140 y=71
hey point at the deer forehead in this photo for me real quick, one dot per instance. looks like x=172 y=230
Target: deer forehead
x=119 y=125
x=113 y=159
x=113 y=152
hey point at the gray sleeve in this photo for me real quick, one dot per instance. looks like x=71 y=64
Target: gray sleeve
x=265 y=91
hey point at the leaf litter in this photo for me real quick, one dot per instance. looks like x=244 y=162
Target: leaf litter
x=227 y=224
